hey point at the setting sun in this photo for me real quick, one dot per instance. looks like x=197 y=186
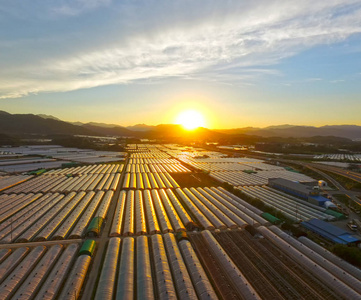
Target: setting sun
x=190 y=119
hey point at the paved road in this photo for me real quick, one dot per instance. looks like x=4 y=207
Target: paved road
x=350 y=194
x=348 y=174
x=341 y=189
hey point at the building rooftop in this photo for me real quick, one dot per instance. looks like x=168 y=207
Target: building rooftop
x=319 y=199
x=291 y=185
x=330 y=232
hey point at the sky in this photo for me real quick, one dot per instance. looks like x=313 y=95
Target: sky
x=239 y=63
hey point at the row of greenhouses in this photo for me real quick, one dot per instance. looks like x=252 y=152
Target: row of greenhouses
x=42 y=272
x=347 y=157
x=149 y=155
x=67 y=184
x=237 y=178
x=88 y=169
x=296 y=210
x=161 y=211
x=289 y=175
x=237 y=171
x=161 y=257
x=202 y=265
x=156 y=240
x=164 y=161
x=152 y=268
x=65 y=153
x=334 y=276
x=244 y=178
x=272 y=266
x=156 y=168
x=225 y=164
x=148 y=181
x=21 y=161
x=50 y=216
x=10 y=180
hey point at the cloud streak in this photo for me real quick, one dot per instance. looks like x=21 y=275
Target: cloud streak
x=77 y=7
x=235 y=42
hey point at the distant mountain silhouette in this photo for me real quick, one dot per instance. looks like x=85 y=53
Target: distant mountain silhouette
x=286 y=131
x=48 y=117
x=110 y=131
x=285 y=126
x=102 y=125
x=163 y=131
x=29 y=124
x=95 y=124
x=141 y=127
x=77 y=123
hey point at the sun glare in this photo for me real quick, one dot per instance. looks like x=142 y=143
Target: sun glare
x=190 y=119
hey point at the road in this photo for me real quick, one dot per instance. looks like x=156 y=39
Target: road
x=350 y=194
x=348 y=174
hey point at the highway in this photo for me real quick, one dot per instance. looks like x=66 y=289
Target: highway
x=348 y=193
x=348 y=174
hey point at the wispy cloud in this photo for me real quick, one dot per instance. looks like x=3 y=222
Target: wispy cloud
x=233 y=42
x=76 y=7
x=313 y=79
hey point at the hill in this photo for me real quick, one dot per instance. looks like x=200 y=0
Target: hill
x=29 y=124
x=110 y=131
x=141 y=127
x=287 y=131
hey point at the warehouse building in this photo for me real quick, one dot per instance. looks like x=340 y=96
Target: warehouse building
x=291 y=187
x=310 y=193
x=330 y=232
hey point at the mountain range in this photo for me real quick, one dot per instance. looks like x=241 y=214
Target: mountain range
x=286 y=131
x=29 y=124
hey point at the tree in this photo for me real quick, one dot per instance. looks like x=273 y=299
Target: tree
x=350 y=254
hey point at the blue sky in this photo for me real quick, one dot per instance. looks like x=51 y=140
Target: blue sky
x=241 y=63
